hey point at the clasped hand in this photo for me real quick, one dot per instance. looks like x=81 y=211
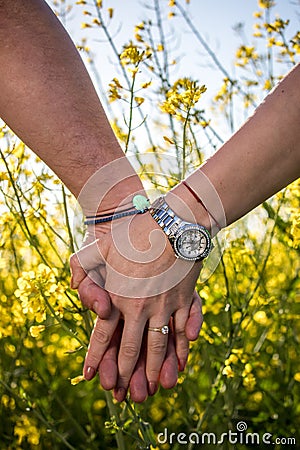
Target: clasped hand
x=148 y=288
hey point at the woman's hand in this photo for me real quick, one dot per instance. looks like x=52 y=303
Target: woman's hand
x=108 y=366
x=148 y=287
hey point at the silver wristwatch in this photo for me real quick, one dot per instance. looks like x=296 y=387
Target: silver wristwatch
x=190 y=241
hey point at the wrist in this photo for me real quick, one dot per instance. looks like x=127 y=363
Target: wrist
x=110 y=188
x=186 y=207
x=121 y=195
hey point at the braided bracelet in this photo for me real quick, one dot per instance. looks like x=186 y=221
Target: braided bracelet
x=140 y=206
x=109 y=214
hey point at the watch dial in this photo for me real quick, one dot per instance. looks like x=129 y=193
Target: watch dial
x=192 y=244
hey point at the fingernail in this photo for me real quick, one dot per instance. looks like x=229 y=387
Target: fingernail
x=89 y=373
x=152 y=387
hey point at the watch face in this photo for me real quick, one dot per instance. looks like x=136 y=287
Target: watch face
x=192 y=242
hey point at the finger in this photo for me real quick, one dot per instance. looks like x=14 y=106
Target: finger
x=94 y=298
x=169 y=371
x=108 y=367
x=181 y=341
x=77 y=272
x=128 y=354
x=156 y=351
x=195 y=319
x=138 y=383
x=87 y=258
x=100 y=339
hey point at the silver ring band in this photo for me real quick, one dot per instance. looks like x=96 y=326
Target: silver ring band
x=164 y=329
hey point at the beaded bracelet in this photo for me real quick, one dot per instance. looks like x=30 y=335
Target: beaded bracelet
x=140 y=206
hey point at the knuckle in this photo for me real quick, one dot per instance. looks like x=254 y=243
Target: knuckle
x=101 y=336
x=130 y=350
x=140 y=307
x=157 y=347
x=180 y=332
x=74 y=260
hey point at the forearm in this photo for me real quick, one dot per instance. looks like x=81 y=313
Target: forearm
x=48 y=99
x=258 y=160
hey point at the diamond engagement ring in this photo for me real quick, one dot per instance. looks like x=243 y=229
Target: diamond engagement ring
x=164 y=329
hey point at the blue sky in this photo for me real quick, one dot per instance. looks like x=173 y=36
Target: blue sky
x=214 y=20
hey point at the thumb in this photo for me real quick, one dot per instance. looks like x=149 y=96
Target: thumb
x=93 y=296
x=87 y=258
x=194 y=322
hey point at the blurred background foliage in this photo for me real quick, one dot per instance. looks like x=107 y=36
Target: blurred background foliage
x=245 y=364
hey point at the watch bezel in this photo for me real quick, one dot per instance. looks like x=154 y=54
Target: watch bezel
x=188 y=227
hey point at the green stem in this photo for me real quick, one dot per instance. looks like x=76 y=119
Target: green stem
x=32 y=239
x=116 y=53
x=130 y=113
x=113 y=412
x=67 y=218
x=39 y=416
x=186 y=123
x=61 y=322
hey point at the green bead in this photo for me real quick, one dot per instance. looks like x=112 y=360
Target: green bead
x=140 y=202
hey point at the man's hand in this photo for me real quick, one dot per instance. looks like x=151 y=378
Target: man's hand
x=148 y=287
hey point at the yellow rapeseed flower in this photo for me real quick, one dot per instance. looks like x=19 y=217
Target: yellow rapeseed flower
x=34 y=287
x=228 y=372
x=26 y=429
x=266 y=4
x=145 y=85
x=295 y=41
x=182 y=96
x=140 y=26
x=167 y=139
x=249 y=381
x=35 y=331
x=139 y=100
x=138 y=37
x=268 y=85
x=77 y=380
x=233 y=359
x=99 y=404
x=114 y=90
x=261 y=318
x=97 y=22
x=131 y=55
x=297 y=377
